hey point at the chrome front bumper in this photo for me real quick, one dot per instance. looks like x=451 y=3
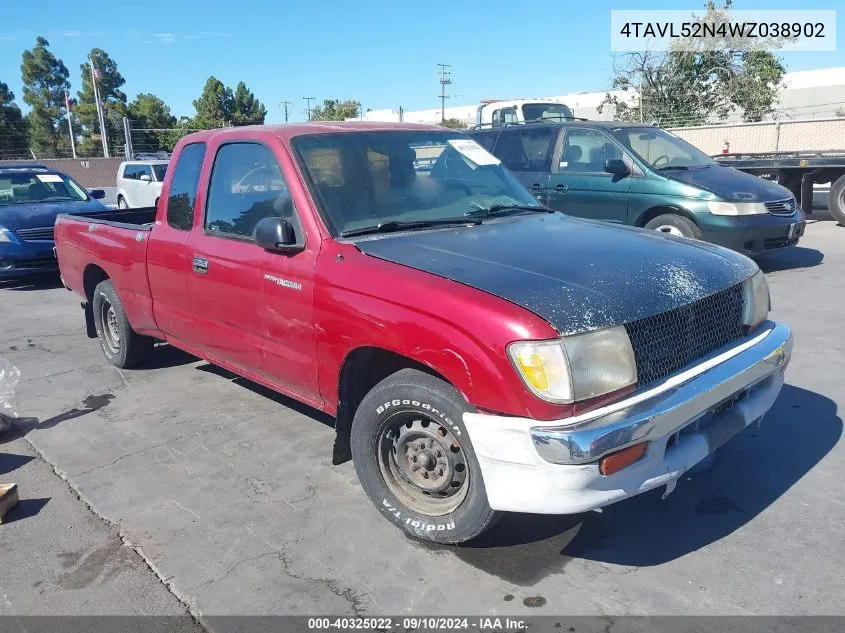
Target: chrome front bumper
x=552 y=467
x=665 y=408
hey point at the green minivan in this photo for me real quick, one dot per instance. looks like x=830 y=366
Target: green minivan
x=644 y=176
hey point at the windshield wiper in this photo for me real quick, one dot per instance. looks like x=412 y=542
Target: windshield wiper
x=674 y=168
x=497 y=209
x=393 y=226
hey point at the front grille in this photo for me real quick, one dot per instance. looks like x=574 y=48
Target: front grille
x=36 y=235
x=781 y=207
x=666 y=343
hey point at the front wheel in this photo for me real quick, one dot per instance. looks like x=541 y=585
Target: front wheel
x=675 y=224
x=122 y=346
x=836 y=200
x=121 y=203
x=415 y=460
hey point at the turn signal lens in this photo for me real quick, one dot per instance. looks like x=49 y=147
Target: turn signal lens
x=615 y=462
x=533 y=370
x=543 y=368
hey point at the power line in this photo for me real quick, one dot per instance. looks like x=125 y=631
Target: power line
x=308 y=108
x=445 y=80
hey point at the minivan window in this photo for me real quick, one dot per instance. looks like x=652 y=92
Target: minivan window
x=183 y=187
x=586 y=151
x=527 y=148
x=160 y=171
x=661 y=149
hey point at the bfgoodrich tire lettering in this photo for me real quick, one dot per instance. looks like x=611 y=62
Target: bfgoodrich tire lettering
x=121 y=345
x=414 y=417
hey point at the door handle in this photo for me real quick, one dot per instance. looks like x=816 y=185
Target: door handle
x=561 y=188
x=535 y=187
x=200 y=265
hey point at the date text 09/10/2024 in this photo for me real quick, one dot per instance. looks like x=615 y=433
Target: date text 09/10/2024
x=481 y=623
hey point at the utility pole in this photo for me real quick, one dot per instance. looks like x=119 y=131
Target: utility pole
x=99 y=103
x=445 y=80
x=285 y=105
x=308 y=100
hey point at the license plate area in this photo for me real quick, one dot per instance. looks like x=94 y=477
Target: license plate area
x=709 y=418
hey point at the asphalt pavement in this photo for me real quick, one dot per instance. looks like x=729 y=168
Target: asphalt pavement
x=228 y=493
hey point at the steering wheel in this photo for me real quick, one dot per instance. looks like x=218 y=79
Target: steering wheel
x=656 y=161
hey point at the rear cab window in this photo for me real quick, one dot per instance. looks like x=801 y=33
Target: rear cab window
x=184 y=185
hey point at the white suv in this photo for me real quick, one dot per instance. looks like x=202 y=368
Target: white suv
x=139 y=183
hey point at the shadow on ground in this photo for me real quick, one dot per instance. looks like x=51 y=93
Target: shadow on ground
x=285 y=401
x=47 y=281
x=787 y=259
x=751 y=472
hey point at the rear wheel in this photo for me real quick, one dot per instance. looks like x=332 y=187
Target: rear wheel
x=675 y=224
x=415 y=461
x=121 y=203
x=122 y=346
x=836 y=201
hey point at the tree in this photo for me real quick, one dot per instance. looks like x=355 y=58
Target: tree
x=455 y=124
x=109 y=82
x=336 y=110
x=246 y=109
x=699 y=79
x=13 y=140
x=152 y=120
x=215 y=106
x=45 y=80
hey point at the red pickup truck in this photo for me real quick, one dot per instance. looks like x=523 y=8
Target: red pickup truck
x=479 y=352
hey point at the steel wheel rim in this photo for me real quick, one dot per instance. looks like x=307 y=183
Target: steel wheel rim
x=423 y=464
x=668 y=228
x=111 y=331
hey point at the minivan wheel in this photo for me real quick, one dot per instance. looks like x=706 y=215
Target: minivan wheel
x=415 y=460
x=121 y=345
x=675 y=224
x=121 y=203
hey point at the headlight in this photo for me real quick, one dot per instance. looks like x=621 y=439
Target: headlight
x=4 y=235
x=756 y=300
x=737 y=208
x=576 y=368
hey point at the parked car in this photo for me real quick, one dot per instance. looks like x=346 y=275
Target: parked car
x=139 y=183
x=479 y=352
x=643 y=176
x=31 y=196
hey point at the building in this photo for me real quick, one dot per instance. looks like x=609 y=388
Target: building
x=808 y=94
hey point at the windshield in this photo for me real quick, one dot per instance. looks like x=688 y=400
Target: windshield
x=661 y=149
x=34 y=188
x=553 y=111
x=368 y=179
x=159 y=171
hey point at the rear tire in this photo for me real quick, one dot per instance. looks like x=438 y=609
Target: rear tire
x=836 y=200
x=121 y=203
x=675 y=224
x=415 y=460
x=121 y=345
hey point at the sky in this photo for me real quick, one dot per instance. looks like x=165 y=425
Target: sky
x=383 y=54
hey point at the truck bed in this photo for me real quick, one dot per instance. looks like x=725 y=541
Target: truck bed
x=139 y=218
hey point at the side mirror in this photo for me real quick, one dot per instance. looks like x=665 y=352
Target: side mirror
x=97 y=194
x=277 y=234
x=616 y=166
x=145 y=178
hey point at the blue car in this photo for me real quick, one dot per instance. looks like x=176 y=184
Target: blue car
x=31 y=196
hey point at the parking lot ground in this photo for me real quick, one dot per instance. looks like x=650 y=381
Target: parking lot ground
x=59 y=557
x=228 y=490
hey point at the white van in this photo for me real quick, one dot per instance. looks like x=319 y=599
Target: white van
x=139 y=183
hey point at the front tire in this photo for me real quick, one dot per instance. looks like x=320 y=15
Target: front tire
x=415 y=460
x=121 y=345
x=675 y=224
x=121 y=203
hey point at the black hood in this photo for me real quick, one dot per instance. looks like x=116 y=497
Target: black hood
x=730 y=184
x=578 y=275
